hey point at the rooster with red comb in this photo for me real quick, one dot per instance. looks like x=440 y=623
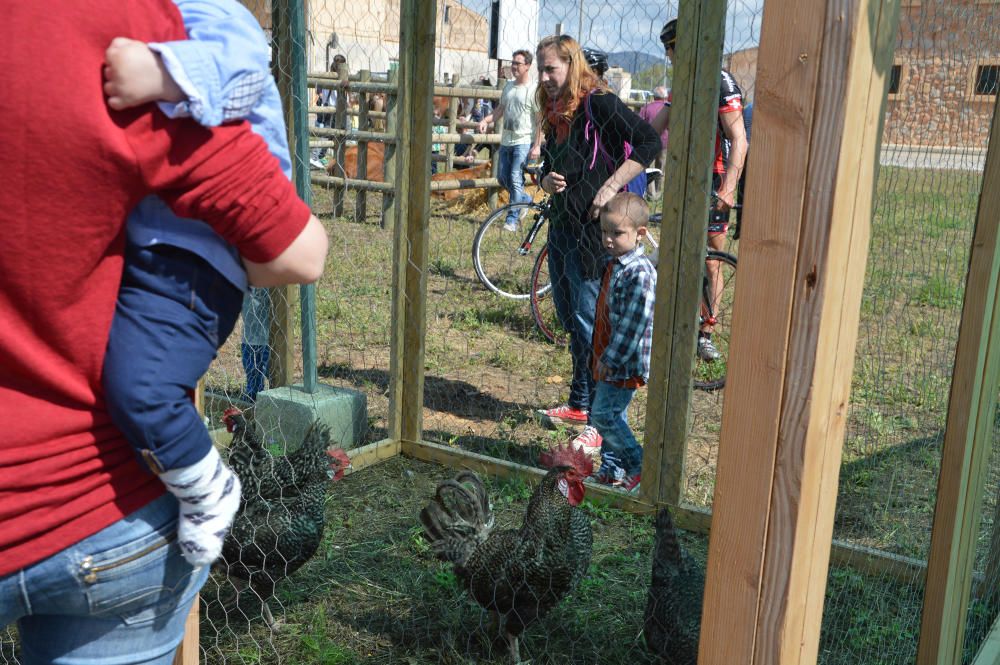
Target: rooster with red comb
x=518 y=574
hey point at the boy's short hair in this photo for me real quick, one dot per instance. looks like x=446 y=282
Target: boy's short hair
x=628 y=205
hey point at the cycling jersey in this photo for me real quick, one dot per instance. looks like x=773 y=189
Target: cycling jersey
x=730 y=101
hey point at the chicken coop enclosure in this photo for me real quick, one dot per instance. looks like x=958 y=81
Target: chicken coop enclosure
x=837 y=500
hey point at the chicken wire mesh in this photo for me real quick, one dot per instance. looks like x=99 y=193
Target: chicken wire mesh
x=373 y=591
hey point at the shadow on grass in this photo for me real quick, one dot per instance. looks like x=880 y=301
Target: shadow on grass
x=459 y=398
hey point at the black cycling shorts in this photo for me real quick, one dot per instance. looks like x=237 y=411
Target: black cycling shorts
x=718 y=222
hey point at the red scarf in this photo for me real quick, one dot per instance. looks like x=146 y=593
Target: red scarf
x=555 y=117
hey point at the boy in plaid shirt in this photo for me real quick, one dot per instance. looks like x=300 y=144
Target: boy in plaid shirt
x=623 y=335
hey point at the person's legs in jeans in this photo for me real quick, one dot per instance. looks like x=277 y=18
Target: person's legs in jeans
x=515 y=177
x=619 y=447
x=255 y=351
x=575 y=300
x=121 y=596
x=504 y=156
x=173 y=313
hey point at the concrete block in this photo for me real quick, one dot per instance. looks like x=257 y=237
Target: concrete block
x=285 y=414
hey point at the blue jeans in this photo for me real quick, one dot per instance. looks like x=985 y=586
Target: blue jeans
x=510 y=173
x=119 y=597
x=173 y=313
x=607 y=414
x=574 y=294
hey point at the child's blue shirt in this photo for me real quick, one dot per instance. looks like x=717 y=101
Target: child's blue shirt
x=224 y=69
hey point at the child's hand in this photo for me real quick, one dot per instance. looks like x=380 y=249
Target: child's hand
x=135 y=75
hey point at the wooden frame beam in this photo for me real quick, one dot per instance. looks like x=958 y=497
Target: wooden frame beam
x=968 y=435
x=412 y=216
x=688 y=181
x=821 y=83
x=697 y=520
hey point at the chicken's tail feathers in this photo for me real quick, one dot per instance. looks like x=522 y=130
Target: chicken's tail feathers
x=458 y=518
x=317 y=437
x=668 y=546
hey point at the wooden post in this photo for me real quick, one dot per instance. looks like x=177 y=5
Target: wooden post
x=361 y=200
x=340 y=122
x=682 y=250
x=491 y=194
x=411 y=224
x=281 y=332
x=821 y=83
x=187 y=651
x=389 y=160
x=449 y=164
x=968 y=434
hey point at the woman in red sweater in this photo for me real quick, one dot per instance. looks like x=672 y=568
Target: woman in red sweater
x=89 y=565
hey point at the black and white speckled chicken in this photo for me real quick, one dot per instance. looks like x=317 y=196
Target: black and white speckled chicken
x=281 y=518
x=270 y=476
x=673 y=608
x=519 y=574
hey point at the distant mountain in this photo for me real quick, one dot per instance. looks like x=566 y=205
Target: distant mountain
x=634 y=61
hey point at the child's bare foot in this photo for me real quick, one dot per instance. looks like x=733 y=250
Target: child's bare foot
x=135 y=75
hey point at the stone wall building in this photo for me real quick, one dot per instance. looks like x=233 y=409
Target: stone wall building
x=945 y=75
x=366 y=32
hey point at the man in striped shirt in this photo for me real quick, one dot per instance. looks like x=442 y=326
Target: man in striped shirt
x=623 y=336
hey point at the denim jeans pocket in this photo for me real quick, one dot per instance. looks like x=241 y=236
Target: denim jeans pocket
x=136 y=582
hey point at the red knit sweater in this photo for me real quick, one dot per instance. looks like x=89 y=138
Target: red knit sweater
x=70 y=170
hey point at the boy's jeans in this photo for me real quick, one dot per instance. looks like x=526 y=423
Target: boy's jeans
x=607 y=414
x=119 y=596
x=173 y=312
x=510 y=173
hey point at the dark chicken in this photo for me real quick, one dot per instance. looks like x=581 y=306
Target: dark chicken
x=673 y=608
x=268 y=476
x=279 y=525
x=519 y=574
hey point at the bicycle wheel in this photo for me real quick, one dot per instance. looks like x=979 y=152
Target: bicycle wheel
x=504 y=258
x=543 y=310
x=711 y=375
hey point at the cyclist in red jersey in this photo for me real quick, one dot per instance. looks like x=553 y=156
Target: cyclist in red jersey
x=730 y=153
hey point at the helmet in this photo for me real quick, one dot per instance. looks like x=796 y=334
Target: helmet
x=669 y=33
x=596 y=60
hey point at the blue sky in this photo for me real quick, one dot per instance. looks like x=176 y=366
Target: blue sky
x=632 y=25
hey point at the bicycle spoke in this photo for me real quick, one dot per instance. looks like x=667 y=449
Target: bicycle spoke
x=503 y=257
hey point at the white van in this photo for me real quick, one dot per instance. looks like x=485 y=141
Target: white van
x=640 y=96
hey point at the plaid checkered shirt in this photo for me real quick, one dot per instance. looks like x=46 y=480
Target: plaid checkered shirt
x=631 y=294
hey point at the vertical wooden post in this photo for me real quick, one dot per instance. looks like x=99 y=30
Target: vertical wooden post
x=821 y=82
x=361 y=199
x=682 y=248
x=968 y=435
x=449 y=164
x=389 y=160
x=282 y=300
x=187 y=651
x=491 y=194
x=340 y=122
x=411 y=225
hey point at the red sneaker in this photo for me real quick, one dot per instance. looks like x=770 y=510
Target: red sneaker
x=630 y=483
x=562 y=415
x=589 y=439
